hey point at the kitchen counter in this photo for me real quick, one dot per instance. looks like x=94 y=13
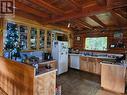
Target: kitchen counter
x=44 y=70
x=114 y=63
x=46 y=61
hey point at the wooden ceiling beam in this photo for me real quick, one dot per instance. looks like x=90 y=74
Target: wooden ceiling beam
x=95 y=18
x=78 y=22
x=102 y=2
x=87 y=11
x=116 y=18
x=23 y=7
x=89 y=4
x=84 y=24
x=120 y=15
x=74 y=3
x=112 y=4
x=28 y=16
x=47 y=6
x=112 y=28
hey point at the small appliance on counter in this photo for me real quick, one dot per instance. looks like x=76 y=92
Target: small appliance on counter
x=47 y=56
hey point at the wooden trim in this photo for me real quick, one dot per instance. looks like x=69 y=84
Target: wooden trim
x=38 y=39
x=45 y=46
x=24 y=21
x=28 y=38
x=1 y=35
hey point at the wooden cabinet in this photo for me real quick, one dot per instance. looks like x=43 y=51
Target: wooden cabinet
x=91 y=65
x=32 y=38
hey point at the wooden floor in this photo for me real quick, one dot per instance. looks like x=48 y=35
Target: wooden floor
x=77 y=82
x=2 y=92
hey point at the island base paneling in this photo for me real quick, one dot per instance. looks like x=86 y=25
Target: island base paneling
x=113 y=77
x=20 y=79
x=16 y=78
x=45 y=84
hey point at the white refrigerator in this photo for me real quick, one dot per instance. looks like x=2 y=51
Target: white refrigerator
x=60 y=53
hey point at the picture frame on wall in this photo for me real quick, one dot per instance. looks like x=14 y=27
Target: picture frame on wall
x=118 y=35
x=78 y=38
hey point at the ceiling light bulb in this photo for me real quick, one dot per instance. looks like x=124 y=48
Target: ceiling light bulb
x=68 y=25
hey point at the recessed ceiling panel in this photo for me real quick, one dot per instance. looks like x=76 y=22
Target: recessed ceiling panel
x=106 y=18
x=91 y=22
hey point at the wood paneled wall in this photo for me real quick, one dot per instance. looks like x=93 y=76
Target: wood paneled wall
x=79 y=44
x=110 y=34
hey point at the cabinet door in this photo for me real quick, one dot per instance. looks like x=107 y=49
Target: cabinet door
x=33 y=39
x=23 y=37
x=49 y=39
x=42 y=37
x=98 y=68
x=84 y=65
x=74 y=62
x=92 y=67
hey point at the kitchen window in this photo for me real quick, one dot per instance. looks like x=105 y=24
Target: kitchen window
x=96 y=43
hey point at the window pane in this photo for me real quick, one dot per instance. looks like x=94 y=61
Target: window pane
x=11 y=40
x=42 y=33
x=23 y=37
x=99 y=43
x=48 y=39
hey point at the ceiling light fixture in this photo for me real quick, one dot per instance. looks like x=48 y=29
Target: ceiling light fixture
x=69 y=24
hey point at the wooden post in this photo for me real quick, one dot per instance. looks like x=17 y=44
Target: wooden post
x=28 y=38
x=1 y=35
x=38 y=39
x=45 y=43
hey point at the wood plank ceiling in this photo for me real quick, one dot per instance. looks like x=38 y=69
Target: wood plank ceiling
x=80 y=14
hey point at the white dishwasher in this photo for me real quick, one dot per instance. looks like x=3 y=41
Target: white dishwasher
x=74 y=61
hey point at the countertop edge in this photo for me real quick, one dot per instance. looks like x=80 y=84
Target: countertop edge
x=42 y=74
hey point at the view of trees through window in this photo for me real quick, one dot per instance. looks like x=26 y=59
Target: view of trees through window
x=98 y=43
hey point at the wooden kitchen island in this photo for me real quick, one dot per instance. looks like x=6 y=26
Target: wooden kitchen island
x=113 y=77
x=20 y=79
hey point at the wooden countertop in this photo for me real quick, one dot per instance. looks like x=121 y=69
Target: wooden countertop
x=42 y=72
x=46 y=61
x=113 y=64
